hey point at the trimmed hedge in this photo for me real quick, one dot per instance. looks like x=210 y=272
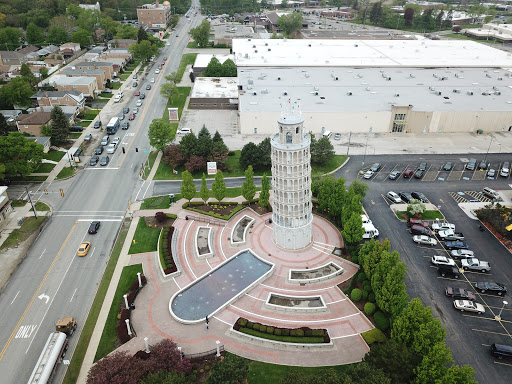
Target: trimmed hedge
x=362 y=277
x=166 y=257
x=365 y=295
x=371 y=297
x=356 y=294
x=122 y=331
x=381 y=321
x=369 y=308
x=235 y=210
x=298 y=335
x=373 y=336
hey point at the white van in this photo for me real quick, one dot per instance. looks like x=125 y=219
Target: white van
x=490 y=193
x=184 y=131
x=327 y=134
x=118 y=97
x=370 y=231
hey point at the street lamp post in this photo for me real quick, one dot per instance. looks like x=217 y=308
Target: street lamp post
x=488 y=148
x=366 y=145
x=499 y=315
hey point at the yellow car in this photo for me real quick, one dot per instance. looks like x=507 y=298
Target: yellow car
x=84 y=248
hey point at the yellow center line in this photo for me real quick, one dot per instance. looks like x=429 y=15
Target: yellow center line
x=36 y=293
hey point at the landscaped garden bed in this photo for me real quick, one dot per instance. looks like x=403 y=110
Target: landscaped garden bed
x=122 y=330
x=223 y=210
x=165 y=247
x=258 y=208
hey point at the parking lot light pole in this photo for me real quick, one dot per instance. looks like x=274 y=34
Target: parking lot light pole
x=488 y=148
x=498 y=318
x=366 y=145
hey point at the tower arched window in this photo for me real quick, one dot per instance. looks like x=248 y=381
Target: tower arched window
x=288 y=138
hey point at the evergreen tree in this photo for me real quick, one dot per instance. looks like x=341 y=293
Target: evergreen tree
x=188 y=145
x=204 y=143
x=60 y=126
x=142 y=35
x=188 y=188
x=27 y=74
x=265 y=191
x=204 y=191
x=265 y=149
x=248 y=187
x=4 y=127
x=219 y=186
x=249 y=156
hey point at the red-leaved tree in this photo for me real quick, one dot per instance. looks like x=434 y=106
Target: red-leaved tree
x=173 y=156
x=165 y=356
x=195 y=163
x=117 y=368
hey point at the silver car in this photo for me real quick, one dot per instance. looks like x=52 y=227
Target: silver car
x=368 y=174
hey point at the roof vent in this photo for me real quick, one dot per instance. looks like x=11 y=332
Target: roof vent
x=470 y=93
x=285 y=93
x=264 y=91
x=388 y=78
x=442 y=78
x=309 y=45
x=254 y=46
x=269 y=49
x=435 y=75
x=367 y=88
x=438 y=93
x=278 y=78
x=254 y=93
x=249 y=39
x=266 y=44
x=336 y=78
x=497 y=93
x=315 y=93
x=250 y=81
x=411 y=76
x=355 y=45
x=500 y=78
x=456 y=91
x=397 y=95
x=349 y=93
x=487 y=75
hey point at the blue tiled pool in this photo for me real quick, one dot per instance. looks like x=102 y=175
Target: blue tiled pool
x=217 y=288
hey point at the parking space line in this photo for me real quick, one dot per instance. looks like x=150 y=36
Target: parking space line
x=494 y=333
x=385 y=199
x=378 y=172
x=500 y=363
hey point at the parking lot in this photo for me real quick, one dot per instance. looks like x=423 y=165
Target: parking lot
x=469 y=335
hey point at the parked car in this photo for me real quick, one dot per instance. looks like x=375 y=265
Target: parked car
x=438 y=260
x=393 y=197
x=505 y=169
x=105 y=140
x=131 y=117
x=142 y=96
x=76 y=128
x=139 y=103
x=94 y=160
x=408 y=173
x=448 y=166
x=111 y=148
x=468 y=305
x=419 y=196
x=137 y=93
x=418 y=174
x=448 y=270
x=459 y=293
x=148 y=87
x=450 y=235
x=104 y=160
x=5 y=182
x=375 y=167
x=93 y=228
x=135 y=84
x=483 y=165
x=501 y=351
x=412 y=221
x=394 y=175
x=441 y=225
x=457 y=244
x=125 y=125
x=88 y=137
x=368 y=174
x=486 y=286
x=121 y=116
x=422 y=239
x=152 y=80
x=470 y=165
x=422 y=167
x=405 y=196
x=97 y=124
x=421 y=230
x=99 y=150
x=491 y=174
x=461 y=253
x=126 y=110
x=474 y=264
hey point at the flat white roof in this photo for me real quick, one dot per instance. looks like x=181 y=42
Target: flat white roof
x=202 y=60
x=215 y=87
x=367 y=53
x=317 y=89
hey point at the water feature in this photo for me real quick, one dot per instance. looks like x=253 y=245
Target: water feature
x=213 y=291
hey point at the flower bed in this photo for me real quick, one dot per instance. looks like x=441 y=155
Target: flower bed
x=223 y=211
x=302 y=335
x=122 y=331
x=166 y=257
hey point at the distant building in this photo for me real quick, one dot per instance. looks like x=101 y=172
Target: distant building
x=154 y=15
x=121 y=43
x=5 y=206
x=214 y=93
x=31 y=123
x=91 y=7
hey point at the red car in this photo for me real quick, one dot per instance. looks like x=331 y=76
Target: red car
x=137 y=93
x=408 y=173
x=165 y=58
x=131 y=117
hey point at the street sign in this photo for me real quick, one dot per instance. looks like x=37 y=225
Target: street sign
x=146 y=151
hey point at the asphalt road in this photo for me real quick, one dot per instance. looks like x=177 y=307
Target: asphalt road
x=52 y=281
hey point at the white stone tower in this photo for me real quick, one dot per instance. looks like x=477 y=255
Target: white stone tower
x=291 y=182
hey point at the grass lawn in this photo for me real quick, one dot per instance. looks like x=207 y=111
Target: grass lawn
x=109 y=335
x=18 y=203
x=177 y=102
x=54 y=155
x=145 y=239
x=263 y=373
x=124 y=76
x=115 y=85
x=45 y=168
x=66 y=172
x=84 y=123
x=75 y=135
x=106 y=95
x=91 y=114
x=335 y=162
x=19 y=235
x=28 y=178
x=40 y=206
x=186 y=59
x=459 y=36
x=427 y=215
x=152 y=157
x=88 y=327
x=158 y=202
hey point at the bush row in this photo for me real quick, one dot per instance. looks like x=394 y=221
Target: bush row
x=294 y=335
x=166 y=250
x=373 y=335
x=217 y=215
x=122 y=331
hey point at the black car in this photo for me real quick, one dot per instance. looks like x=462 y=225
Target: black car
x=459 y=293
x=448 y=270
x=97 y=124
x=422 y=167
x=405 y=196
x=142 y=96
x=99 y=150
x=418 y=174
x=5 y=182
x=93 y=228
x=126 y=110
x=94 y=160
x=375 y=167
x=448 y=166
x=104 y=160
x=497 y=288
x=419 y=196
x=148 y=87
x=483 y=165
x=456 y=244
x=125 y=125
x=76 y=128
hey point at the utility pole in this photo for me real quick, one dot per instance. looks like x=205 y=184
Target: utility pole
x=348 y=147
x=31 y=203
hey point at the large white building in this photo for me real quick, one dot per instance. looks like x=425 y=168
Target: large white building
x=386 y=86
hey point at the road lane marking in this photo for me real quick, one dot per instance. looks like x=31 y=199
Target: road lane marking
x=42 y=254
x=4 y=349
x=25 y=331
x=144 y=182
x=146 y=191
x=508 y=365
x=15 y=297
x=73 y=295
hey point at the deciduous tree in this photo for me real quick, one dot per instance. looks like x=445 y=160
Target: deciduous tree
x=337 y=199
x=16 y=93
x=169 y=91
x=364 y=373
x=33 y=34
x=219 y=186
x=233 y=370
x=290 y=23
x=248 y=187
x=57 y=35
x=166 y=356
x=265 y=149
x=265 y=191
x=204 y=192
x=118 y=367
x=173 y=156
x=391 y=296
x=82 y=37
x=159 y=134
x=324 y=194
x=359 y=188
x=19 y=155
x=322 y=152
x=10 y=38
x=188 y=188
x=408 y=16
x=249 y=155
x=201 y=33
x=4 y=127
x=166 y=377
x=143 y=50
x=353 y=230
x=432 y=368
x=213 y=69
x=195 y=163
x=27 y=74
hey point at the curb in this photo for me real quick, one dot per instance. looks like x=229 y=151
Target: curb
x=341 y=166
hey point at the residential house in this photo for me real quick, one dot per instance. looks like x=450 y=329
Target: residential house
x=86 y=85
x=5 y=71
x=273 y=25
x=99 y=74
x=46 y=51
x=106 y=66
x=93 y=7
x=154 y=15
x=43 y=140
x=10 y=115
x=75 y=47
x=12 y=58
x=70 y=111
x=70 y=98
x=5 y=207
x=121 y=43
x=31 y=123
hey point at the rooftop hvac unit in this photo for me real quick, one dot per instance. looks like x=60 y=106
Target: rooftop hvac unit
x=250 y=81
x=355 y=45
x=254 y=46
x=367 y=88
x=315 y=93
x=249 y=87
x=497 y=93
x=470 y=93
x=254 y=93
x=336 y=78
x=412 y=76
x=383 y=75
x=442 y=78
x=309 y=45
x=266 y=44
x=435 y=75
x=349 y=93
x=438 y=93
x=500 y=78
x=431 y=88
x=285 y=93
x=264 y=91
x=494 y=87
x=397 y=94
x=306 y=75
x=456 y=91
x=487 y=75
x=249 y=39
x=388 y=78
x=315 y=88
x=457 y=75
x=269 y=49
x=278 y=78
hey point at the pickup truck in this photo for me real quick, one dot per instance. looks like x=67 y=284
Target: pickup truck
x=441 y=226
x=457 y=244
x=475 y=265
x=450 y=235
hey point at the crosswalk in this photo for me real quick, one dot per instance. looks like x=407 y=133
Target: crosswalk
x=469 y=196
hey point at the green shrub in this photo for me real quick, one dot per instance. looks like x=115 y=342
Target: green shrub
x=171 y=216
x=369 y=308
x=286 y=332
x=371 y=297
x=356 y=294
x=185 y=205
x=317 y=332
x=277 y=332
x=293 y=333
x=365 y=295
x=361 y=276
x=299 y=333
x=374 y=335
x=206 y=367
x=250 y=324
x=381 y=321
x=309 y=332
x=368 y=288
x=355 y=259
x=270 y=330
x=366 y=283
x=242 y=322
x=256 y=327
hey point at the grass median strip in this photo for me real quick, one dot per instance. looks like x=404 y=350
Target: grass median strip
x=158 y=202
x=66 y=172
x=145 y=238
x=88 y=328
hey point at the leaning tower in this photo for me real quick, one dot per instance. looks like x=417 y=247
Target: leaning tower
x=291 y=182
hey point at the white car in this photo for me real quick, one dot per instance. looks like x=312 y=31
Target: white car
x=368 y=174
x=438 y=260
x=139 y=103
x=168 y=44
x=116 y=140
x=468 y=305
x=152 y=80
x=394 y=197
x=423 y=239
x=157 y=71
x=111 y=148
x=462 y=253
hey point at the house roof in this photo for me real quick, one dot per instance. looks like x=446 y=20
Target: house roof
x=11 y=55
x=40 y=140
x=28 y=49
x=93 y=63
x=34 y=118
x=85 y=71
x=78 y=96
x=64 y=80
x=68 y=110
